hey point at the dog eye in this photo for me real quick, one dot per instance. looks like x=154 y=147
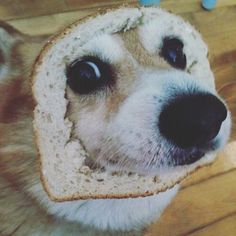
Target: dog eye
x=89 y=74
x=172 y=52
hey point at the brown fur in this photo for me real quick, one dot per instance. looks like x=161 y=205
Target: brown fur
x=134 y=46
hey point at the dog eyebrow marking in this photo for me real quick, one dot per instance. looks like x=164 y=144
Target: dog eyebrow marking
x=107 y=47
x=135 y=47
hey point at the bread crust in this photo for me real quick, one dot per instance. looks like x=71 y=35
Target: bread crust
x=75 y=197
x=34 y=72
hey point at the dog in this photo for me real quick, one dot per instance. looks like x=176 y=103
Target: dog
x=145 y=102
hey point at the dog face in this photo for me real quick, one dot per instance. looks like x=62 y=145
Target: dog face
x=145 y=100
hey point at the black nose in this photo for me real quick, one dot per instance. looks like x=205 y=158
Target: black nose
x=191 y=120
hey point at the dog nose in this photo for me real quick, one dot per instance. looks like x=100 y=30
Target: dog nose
x=192 y=120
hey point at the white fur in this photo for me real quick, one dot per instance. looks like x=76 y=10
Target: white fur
x=107 y=47
x=113 y=214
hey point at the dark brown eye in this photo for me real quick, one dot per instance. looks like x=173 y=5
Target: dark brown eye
x=172 y=52
x=89 y=74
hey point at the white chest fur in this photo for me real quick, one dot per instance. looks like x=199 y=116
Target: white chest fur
x=114 y=214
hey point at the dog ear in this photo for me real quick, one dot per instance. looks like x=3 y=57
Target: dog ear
x=228 y=92
x=10 y=29
x=17 y=51
x=17 y=54
x=9 y=38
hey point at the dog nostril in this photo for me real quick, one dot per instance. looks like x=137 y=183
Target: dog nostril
x=192 y=120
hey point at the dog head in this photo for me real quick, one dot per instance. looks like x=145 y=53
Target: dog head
x=145 y=100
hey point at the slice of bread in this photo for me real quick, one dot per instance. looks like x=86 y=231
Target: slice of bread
x=64 y=173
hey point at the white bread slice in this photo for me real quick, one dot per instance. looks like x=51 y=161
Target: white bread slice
x=63 y=171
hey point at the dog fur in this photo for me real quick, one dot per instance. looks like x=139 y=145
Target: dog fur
x=25 y=209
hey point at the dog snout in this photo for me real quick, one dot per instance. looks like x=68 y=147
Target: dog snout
x=192 y=120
